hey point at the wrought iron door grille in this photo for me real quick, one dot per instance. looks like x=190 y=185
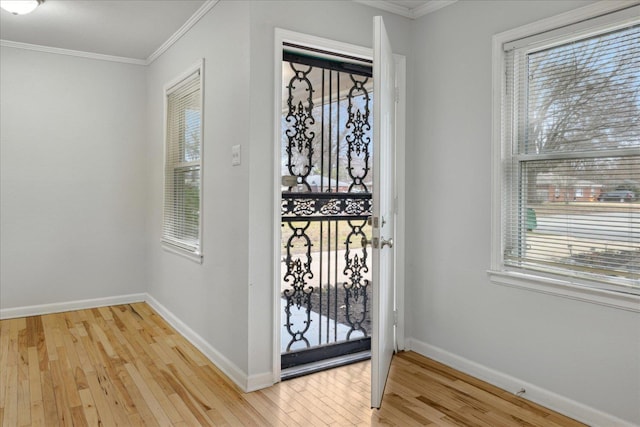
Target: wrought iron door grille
x=326 y=202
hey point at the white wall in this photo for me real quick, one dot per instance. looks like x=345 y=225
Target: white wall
x=210 y=298
x=584 y=352
x=72 y=151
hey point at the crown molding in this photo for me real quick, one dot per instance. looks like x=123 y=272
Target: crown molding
x=206 y=7
x=388 y=7
x=411 y=13
x=429 y=7
x=417 y=12
x=69 y=52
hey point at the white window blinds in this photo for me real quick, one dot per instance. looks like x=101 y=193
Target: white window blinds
x=183 y=164
x=571 y=196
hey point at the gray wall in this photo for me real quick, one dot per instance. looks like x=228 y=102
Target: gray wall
x=210 y=298
x=73 y=204
x=586 y=352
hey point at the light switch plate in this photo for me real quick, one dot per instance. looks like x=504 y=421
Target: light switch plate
x=235 y=155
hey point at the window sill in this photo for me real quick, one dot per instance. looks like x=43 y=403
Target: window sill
x=193 y=256
x=566 y=289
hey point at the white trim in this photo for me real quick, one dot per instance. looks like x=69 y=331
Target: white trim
x=279 y=37
x=193 y=20
x=566 y=289
x=259 y=381
x=497 y=271
x=174 y=249
x=60 y=307
x=69 y=52
x=411 y=13
x=567 y=18
x=321 y=43
x=429 y=7
x=225 y=365
x=387 y=7
x=198 y=254
x=497 y=157
x=580 y=29
x=197 y=67
x=400 y=194
x=548 y=399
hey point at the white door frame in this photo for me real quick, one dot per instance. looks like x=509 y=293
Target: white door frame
x=307 y=40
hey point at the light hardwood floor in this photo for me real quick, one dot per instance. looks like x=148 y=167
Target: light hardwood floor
x=124 y=365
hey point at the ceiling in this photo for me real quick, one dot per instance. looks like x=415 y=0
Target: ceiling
x=137 y=30
x=131 y=29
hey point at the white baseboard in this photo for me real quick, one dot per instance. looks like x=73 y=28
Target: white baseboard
x=225 y=365
x=259 y=381
x=37 y=310
x=546 y=398
x=246 y=383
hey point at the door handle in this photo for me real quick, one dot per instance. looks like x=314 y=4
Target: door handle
x=384 y=243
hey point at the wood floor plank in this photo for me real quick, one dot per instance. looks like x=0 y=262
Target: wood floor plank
x=145 y=392
x=24 y=395
x=63 y=408
x=48 y=396
x=4 y=362
x=89 y=408
x=124 y=365
x=159 y=393
x=48 y=325
x=411 y=400
x=268 y=409
x=191 y=402
x=185 y=413
x=10 y=416
x=137 y=405
x=35 y=388
x=99 y=399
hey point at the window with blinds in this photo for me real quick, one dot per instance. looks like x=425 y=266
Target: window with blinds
x=183 y=165
x=571 y=157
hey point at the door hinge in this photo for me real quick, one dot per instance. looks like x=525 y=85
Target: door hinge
x=397 y=94
x=395 y=317
x=374 y=242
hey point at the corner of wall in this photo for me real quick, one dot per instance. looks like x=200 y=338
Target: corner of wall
x=230 y=369
x=539 y=395
x=41 y=309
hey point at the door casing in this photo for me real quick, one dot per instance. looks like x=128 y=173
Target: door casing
x=282 y=35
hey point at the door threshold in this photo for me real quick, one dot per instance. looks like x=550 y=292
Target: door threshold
x=323 y=365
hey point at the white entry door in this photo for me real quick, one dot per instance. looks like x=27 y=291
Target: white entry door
x=382 y=345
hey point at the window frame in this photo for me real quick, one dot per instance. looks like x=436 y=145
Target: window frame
x=168 y=243
x=570 y=25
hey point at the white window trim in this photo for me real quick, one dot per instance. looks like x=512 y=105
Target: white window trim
x=167 y=245
x=498 y=273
